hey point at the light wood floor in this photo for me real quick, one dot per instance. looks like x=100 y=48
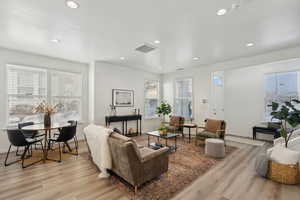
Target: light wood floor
x=76 y=178
x=235 y=179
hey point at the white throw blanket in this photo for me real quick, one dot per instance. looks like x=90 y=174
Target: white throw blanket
x=97 y=139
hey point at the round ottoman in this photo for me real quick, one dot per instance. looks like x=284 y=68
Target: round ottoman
x=215 y=148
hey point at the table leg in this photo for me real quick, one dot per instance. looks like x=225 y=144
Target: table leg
x=254 y=133
x=141 y=127
x=148 y=141
x=123 y=128
x=189 y=135
x=175 y=143
x=45 y=146
x=137 y=127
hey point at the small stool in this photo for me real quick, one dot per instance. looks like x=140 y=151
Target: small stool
x=215 y=148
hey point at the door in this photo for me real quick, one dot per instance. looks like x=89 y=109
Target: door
x=217 y=95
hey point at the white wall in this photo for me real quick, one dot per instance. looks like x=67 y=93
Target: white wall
x=244 y=94
x=108 y=77
x=244 y=87
x=27 y=59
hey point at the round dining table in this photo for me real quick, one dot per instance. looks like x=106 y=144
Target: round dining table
x=47 y=130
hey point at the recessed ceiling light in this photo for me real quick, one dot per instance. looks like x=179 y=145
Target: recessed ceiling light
x=221 y=12
x=195 y=58
x=157 y=42
x=122 y=58
x=72 y=4
x=249 y=44
x=55 y=40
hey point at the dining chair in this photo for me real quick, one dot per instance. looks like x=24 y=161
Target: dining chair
x=17 y=139
x=72 y=123
x=65 y=134
x=28 y=133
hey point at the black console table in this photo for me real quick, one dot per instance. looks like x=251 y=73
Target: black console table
x=271 y=128
x=124 y=119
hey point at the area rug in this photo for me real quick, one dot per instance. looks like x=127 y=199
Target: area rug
x=185 y=165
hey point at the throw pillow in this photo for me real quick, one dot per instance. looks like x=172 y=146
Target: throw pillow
x=284 y=155
x=261 y=164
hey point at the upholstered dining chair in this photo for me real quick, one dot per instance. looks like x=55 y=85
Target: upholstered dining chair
x=17 y=139
x=212 y=129
x=65 y=134
x=175 y=125
x=72 y=123
x=28 y=134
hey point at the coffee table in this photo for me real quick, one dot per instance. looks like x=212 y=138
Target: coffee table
x=165 y=137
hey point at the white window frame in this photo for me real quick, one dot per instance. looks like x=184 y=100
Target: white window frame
x=272 y=73
x=158 y=98
x=48 y=71
x=174 y=93
x=50 y=96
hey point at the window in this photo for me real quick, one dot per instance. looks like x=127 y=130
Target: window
x=66 y=90
x=183 y=104
x=27 y=87
x=151 y=98
x=280 y=87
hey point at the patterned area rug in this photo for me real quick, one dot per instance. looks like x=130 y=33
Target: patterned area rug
x=185 y=165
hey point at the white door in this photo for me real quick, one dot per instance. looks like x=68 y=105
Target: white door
x=217 y=95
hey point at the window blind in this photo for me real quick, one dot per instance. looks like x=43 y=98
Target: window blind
x=66 y=89
x=183 y=98
x=151 y=98
x=25 y=88
x=280 y=87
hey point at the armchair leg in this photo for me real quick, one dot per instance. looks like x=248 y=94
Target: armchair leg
x=135 y=189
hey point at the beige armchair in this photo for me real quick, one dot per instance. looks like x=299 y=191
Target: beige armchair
x=212 y=129
x=135 y=164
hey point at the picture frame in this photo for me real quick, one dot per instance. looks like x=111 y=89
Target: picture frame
x=122 y=98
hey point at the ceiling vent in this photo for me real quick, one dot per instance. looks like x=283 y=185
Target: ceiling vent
x=180 y=69
x=145 y=48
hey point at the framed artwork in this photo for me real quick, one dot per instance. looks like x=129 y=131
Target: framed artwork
x=122 y=98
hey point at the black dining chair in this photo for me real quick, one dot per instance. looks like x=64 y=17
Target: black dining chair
x=17 y=139
x=65 y=134
x=28 y=133
x=72 y=123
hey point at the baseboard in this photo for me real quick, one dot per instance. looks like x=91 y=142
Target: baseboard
x=247 y=137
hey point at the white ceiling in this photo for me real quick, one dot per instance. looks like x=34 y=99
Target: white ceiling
x=109 y=29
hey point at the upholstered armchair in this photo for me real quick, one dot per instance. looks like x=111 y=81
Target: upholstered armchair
x=135 y=164
x=175 y=125
x=212 y=129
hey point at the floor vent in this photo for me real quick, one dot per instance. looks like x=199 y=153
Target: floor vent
x=145 y=48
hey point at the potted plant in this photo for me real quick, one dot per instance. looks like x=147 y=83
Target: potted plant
x=286 y=113
x=163 y=109
x=47 y=110
x=162 y=130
